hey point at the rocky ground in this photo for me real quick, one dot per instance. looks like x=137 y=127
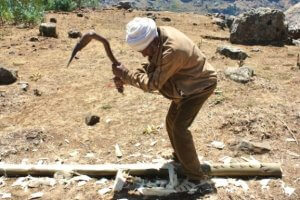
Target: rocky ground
x=46 y=123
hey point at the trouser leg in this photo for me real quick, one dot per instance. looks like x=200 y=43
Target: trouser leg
x=182 y=138
x=170 y=121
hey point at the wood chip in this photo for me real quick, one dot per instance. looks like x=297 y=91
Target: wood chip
x=119 y=181
x=118 y=151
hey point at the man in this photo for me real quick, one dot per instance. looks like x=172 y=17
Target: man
x=179 y=71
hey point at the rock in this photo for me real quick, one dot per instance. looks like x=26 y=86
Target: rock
x=34 y=39
x=292 y=16
x=79 y=15
x=37 y=93
x=239 y=74
x=53 y=20
x=259 y=26
x=24 y=86
x=229 y=20
x=251 y=147
x=91 y=120
x=232 y=52
x=74 y=34
x=48 y=30
x=125 y=5
x=219 y=22
x=7 y=76
x=165 y=19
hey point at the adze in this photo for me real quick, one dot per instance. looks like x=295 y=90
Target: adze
x=85 y=39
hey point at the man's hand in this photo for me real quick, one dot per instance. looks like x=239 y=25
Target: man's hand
x=119 y=70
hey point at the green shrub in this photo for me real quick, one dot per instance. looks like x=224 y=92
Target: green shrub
x=22 y=11
x=60 y=5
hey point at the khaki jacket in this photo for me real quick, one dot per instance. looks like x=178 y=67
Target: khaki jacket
x=178 y=68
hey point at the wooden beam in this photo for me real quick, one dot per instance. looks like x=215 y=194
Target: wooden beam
x=140 y=169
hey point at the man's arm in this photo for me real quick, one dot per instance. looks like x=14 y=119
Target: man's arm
x=171 y=62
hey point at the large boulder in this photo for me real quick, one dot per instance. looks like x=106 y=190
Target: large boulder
x=292 y=17
x=7 y=76
x=259 y=26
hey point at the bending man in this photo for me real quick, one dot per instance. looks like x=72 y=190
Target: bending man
x=179 y=71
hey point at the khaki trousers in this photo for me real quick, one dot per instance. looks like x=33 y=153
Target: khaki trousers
x=179 y=118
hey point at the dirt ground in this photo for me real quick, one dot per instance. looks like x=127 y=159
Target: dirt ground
x=51 y=127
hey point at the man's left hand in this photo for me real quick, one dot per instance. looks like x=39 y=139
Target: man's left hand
x=119 y=70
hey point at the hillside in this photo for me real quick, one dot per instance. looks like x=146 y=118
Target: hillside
x=46 y=123
x=232 y=7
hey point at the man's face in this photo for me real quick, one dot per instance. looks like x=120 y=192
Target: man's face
x=148 y=52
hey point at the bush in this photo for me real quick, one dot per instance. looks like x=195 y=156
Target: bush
x=22 y=11
x=32 y=11
x=60 y=5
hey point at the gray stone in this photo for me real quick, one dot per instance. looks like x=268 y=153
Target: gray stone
x=74 y=34
x=229 y=20
x=48 y=30
x=91 y=120
x=232 y=52
x=239 y=74
x=219 y=22
x=24 y=86
x=259 y=26
x=292 y=17
x=7 y=76
x=251 y=147
x=166 y=19
x=125 y=5
x=53 y=20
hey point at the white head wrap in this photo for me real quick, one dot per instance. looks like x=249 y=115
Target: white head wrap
x=140 y=32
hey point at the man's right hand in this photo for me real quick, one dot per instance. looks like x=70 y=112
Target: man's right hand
x=119 y=70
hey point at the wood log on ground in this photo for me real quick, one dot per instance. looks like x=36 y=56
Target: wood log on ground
x=141 y=169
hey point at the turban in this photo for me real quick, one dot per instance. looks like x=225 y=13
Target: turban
x=140 y=32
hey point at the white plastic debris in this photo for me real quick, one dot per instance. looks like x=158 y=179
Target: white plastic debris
x=101 y=181
x=217 y=144
x=104 y=191
x=5 y=195
x=36 y=195
x=287 y=190
x=264 y=183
